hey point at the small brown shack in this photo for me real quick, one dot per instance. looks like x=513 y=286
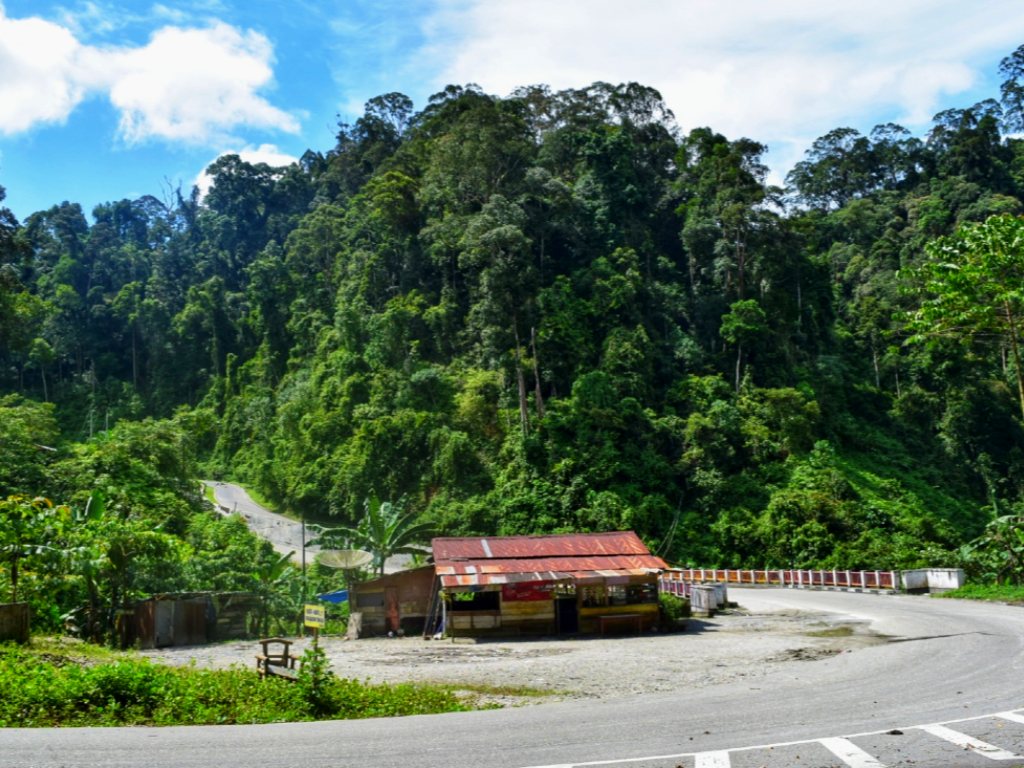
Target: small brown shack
x=396 y=601
x=556 y=584
x=191 y=618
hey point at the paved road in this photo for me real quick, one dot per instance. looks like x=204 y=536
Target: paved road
x=949 y=660
x=283 y=532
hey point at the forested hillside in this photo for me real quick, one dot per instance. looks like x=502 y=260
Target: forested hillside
x=552 y=311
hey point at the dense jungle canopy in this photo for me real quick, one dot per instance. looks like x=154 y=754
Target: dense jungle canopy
x=551 y=311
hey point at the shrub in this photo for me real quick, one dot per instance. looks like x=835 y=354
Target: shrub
x=673 y=608
x=50 y=690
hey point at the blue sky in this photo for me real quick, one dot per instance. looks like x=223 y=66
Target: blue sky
x=107 y=100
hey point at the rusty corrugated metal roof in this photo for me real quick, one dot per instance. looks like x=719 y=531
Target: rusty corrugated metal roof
x=578 y=557
x=579 y=577
x=560 y=564
x=554 y=545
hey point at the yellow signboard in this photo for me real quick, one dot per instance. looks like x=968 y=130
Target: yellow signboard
x=315 y=616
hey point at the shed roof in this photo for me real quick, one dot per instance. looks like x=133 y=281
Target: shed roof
x=552 y=545
x=581 y=557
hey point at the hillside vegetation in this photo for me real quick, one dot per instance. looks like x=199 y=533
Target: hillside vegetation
x=546 y=312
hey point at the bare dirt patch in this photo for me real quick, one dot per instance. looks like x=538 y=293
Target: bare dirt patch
x=735 y=645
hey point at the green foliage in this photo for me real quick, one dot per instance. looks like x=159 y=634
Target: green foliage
x=60 y=692
x=30 y=529
x=314 y=682
x=974 y=281
x=28 y=432
x=547 y=312
x=271 y=580
x=998 y=554
x=999 y=593
x=673 y=608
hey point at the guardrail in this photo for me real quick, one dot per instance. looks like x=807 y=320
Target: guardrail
x=676 y=579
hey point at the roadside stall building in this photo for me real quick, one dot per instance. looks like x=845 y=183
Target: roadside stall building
x=396 y=602
x=555 y=584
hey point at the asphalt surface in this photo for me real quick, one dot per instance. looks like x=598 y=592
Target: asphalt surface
x=948 y=661
x=284 y=533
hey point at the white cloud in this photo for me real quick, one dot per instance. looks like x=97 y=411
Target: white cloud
x=784 y=71
x=189 y=84
x=264 y=153
x=38 y=61
x=193 y=85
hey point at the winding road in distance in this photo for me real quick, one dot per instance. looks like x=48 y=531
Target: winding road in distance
x=282 y=532
x=949 y=661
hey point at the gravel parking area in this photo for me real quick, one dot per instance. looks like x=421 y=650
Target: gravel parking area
x=742 y=643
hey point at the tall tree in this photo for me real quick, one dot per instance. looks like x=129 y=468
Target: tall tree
x=1012 y=90
x=974 y=284
x=838 y=168
x=742 y=326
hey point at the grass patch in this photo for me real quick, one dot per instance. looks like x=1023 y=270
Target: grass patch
x=840 y=631
x=521 y=691
x=993 y=592
x=208 y=494
x=47 y=686
x=71 y=650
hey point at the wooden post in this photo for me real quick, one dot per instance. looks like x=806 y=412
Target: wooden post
x=444 y=618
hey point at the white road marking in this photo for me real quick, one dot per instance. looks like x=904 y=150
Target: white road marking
x=712 y=760
x=850 y=753
x=720 y=759
x=1013 y=716
x=964 y=741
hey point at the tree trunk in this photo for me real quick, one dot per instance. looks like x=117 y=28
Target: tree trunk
x=739 y=366
x=524 y=414
x=799 y=303
x=1015 y=348
x=135 y=369
x=536 y=374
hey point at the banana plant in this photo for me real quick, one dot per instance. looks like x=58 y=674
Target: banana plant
x=29 y=527
x=271 y=579
x=384 y=530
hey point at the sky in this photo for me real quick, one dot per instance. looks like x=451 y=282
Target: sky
x=101 y=101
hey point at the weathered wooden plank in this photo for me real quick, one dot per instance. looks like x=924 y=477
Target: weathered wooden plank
x=537 y=609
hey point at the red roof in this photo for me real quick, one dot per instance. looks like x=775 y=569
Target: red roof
x=560 y=557
x=553 y=545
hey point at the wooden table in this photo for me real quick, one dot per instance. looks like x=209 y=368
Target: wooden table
x=607 y=618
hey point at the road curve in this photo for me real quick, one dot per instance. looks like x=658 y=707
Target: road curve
x=282 y=532
x=949 y=660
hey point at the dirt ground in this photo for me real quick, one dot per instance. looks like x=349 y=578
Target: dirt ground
x=736 y=644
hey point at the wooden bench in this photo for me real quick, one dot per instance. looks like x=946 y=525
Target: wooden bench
x=276 y=659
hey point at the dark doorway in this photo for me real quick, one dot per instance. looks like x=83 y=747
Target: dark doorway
x=567 y=615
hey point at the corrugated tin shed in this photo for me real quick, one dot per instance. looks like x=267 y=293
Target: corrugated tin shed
x=579 y=557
